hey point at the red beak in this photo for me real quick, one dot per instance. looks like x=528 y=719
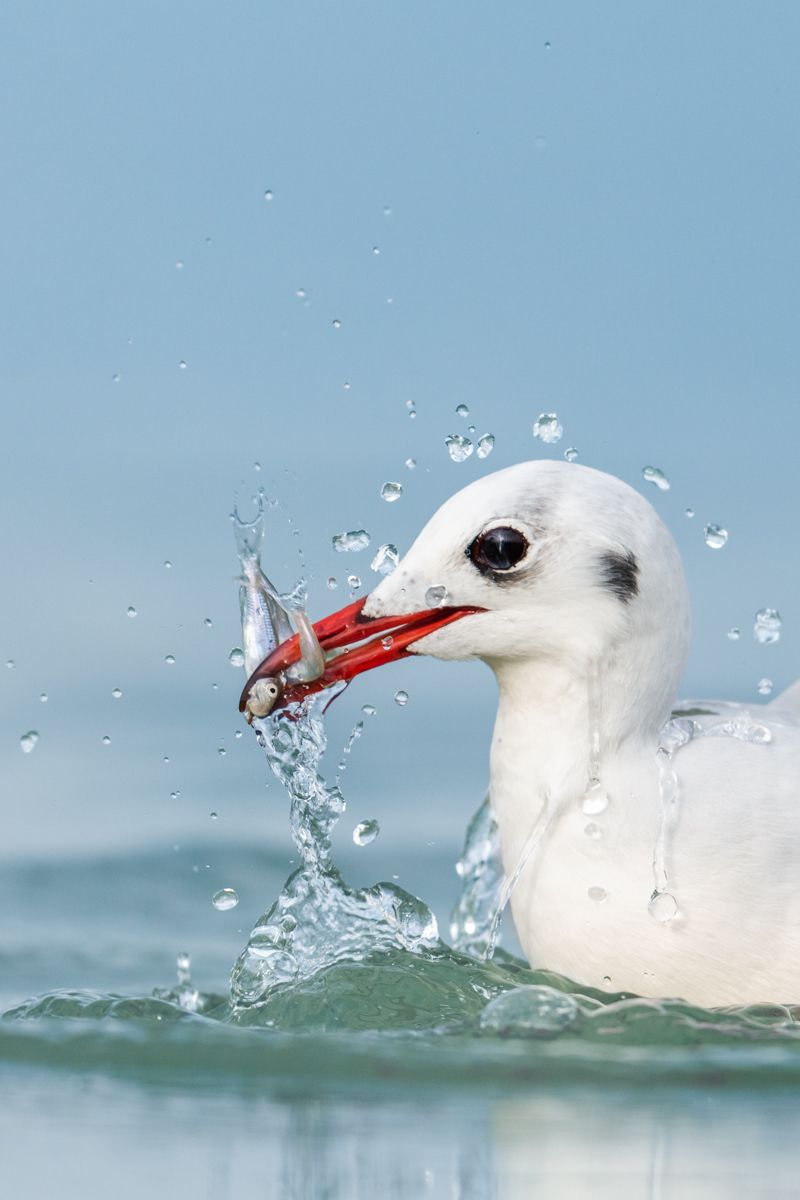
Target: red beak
x=362 y=642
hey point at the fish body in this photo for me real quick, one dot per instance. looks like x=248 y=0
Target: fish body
x=265 y=622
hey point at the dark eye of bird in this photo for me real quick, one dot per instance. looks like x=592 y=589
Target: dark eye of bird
x=498 y=549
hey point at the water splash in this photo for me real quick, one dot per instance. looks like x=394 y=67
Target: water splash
x=350 y=541
x=481 y=872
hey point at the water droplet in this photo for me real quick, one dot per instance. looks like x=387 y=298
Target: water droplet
x=336 y=323
x=734 y=634
x=332 y=583
x=459 y=448
x=174 y=795
x=767 y=627
x=355 y=539
x=715 y=536
x=593 y=831
x=411 y=464
x=116 y=693
x=401 y=698
x=237 y=733
x=570 y=454
x=662 y=907
x=548 y=46
x=354 y=583
x=222 y=752
x=236 y=657
x=10 y=664
x=28 y=741
x=225 y=899
x=598 y=894
x=43 y=698
x=268 y=194
x=182 y=365
x=167 y=564
x=387 y=212
x=391 y=491
x=594 y=800
x=462 y=411
x=387 y=642
x=179 y=264
x=300 y=293
x=386 y=559
x=688 y=512
x=471 y=428
x=435 y=596
x=366 y=832
x=165 y=758
x=214 y=816
x=131 y=611
x=106 y=740
x=183 y=962
x=529 y=1011
x=656 y=476
x=607 y=981
x=376 y=250
x=765 y=686
x=208 y=622
x=116 y=378
x=485 y=445
x=169 y=659
x=547 y=428
x=368 y=710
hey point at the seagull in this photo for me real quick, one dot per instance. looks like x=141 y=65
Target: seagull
x=650 y=852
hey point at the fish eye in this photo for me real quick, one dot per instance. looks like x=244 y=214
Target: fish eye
x=498 y=549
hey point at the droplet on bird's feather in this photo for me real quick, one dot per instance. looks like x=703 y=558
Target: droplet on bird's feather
x=547 y=428
x=485 y=445
x=662 y=907
x=366 y=832
x=391 y=491
x=350 y=542
x=593 y=831
x=657 y=477
x=459 y=448
x=236 y=657
x=436 y=596
x=767 y=627
x=594 y=800
x=598 y=894
x=765 y=687
x=401 y=698
x=386 y=559
x=28 y=741
x=715 y=536
x=225 y=899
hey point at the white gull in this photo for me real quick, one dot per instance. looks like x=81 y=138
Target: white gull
x=584 y=620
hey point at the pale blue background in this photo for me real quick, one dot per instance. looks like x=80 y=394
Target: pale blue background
x=593 y=209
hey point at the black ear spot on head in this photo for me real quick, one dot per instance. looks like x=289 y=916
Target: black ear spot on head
x=620 y=574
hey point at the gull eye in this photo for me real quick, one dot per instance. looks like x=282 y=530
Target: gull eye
x=498 y=549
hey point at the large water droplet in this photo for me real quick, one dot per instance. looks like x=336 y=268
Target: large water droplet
x=597 y=894
x=656 y=476
x=767 y=627
x=715 y=536
x=547 y=428
x=225 y=899
x=401 y=698
x=350 y=542
x=594 y=800
x=366 y=832
x=459 y=448
x=28 y=741
x=662 y=907
x=236 y=657
x=386 y=559
x=485 y=445
x=435 y=596
x=462 y=411
x=765 y=687
x=391 y=491
x=131 y=611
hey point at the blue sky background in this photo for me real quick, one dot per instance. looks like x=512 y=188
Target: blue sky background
x=584 y=208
